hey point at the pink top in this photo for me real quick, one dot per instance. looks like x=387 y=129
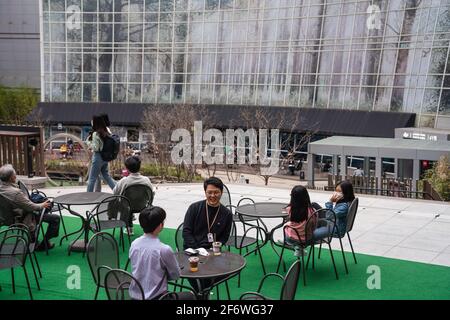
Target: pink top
x=300 y=227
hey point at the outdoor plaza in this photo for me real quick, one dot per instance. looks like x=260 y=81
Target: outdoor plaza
x=402 y=242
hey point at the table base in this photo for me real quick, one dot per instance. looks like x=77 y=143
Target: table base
x=77 y=246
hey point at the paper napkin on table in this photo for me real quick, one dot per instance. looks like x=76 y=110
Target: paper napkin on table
x=202 y=252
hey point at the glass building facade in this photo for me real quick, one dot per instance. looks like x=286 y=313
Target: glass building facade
x=378 y=55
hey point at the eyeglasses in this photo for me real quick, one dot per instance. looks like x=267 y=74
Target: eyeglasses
x=213 y=193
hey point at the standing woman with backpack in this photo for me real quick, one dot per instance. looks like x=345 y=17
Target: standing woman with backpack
x=95 y=143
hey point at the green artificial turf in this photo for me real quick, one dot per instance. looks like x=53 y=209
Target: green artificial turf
x=399 y=279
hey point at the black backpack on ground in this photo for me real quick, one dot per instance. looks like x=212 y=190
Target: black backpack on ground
x=111 y=147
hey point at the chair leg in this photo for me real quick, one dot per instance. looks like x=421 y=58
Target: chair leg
x=320 y=250
x=281 y=258
x=351 y=246
x=304 y=272
x=129 y=238
x=122 y=239
x=313 y=257
x=62 y=222
x=343 y=255
x=96 y=292
x=37 y=264
x=28 y=282
x=262 y=262
x=34 y=272
x=309 y=256
x=332 y=259
x=228 y=290
x=13 y=282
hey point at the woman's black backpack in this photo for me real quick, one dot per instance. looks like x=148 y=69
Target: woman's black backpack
x=111 y=147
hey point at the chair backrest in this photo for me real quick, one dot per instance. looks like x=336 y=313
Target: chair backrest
x=7 y=216
x=24 y=188
x=179 y=238
x=13 y=248
x=290 y=282
x=111 y=208
x=102 y=254
x=118 y=283
x=225 y=200
x=351 y=215
x=140 y=196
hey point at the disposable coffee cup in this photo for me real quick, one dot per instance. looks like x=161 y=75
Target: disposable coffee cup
x=193 y=263
x=216 y=248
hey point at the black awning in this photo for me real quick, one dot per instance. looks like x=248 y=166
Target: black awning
x=319 y=121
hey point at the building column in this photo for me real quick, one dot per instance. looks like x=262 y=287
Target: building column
x=378 y=171
x=366 y=167
x=335 y=164
x=343 y=166
x=396 y=168
x=416 y=173
x=310 y=170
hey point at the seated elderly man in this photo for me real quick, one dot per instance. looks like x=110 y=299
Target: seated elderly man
x=24 y=209
x=133 y=165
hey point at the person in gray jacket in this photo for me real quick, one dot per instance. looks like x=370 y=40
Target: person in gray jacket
x=23 y=208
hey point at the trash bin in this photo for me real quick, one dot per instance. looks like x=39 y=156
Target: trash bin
x=247 y=181
x=302 y=175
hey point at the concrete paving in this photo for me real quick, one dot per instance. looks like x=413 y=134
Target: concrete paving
x=415 y=230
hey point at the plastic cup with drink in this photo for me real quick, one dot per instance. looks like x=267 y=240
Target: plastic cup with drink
x=217 y=248
x=193 y=263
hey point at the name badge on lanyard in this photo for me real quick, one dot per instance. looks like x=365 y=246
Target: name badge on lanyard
x=210 y=237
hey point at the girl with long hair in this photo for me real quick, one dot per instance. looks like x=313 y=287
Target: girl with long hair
x=98 y=165
x=299 y=210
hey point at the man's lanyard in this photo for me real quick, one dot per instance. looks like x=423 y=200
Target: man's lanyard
x=207 y=216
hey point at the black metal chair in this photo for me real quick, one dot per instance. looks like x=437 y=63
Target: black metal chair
x=331 y=224
x=288 y=289
x=113 y=212
x=351 y=215
x=7 y=218
x=22 y=229
x=13 y=254
x=225 y=200
x=309 y=227
x=118 y=283
x=103 y=255
x=25 y=191
x=140 y=197
x=247 y=240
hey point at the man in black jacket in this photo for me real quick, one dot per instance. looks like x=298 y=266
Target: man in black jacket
x=207 y=221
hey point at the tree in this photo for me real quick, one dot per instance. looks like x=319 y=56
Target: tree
x=439 y=177
x=160 y=123
x=16 y=104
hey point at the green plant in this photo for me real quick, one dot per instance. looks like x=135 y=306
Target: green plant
x=16 y=104
x=439 y=177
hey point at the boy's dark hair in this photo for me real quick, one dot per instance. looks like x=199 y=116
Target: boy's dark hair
x=213 y=181
x=133 y=164
x=151 y=217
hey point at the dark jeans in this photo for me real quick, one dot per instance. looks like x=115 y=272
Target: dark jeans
x=53 y=226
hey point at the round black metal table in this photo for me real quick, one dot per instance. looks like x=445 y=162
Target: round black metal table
x=225 y=266
x=79 y=199
x=265 y=210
